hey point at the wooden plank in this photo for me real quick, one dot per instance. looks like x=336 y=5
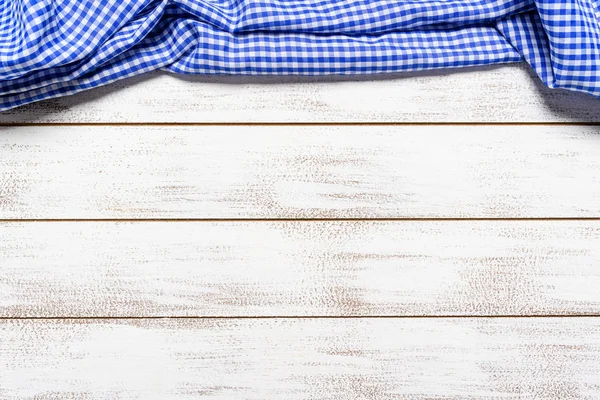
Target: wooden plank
x=109 y=269
x=299 y=172
x=533 y=358
x=510 y=93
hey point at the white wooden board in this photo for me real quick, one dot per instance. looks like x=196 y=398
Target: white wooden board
x=300 y=172
x=228 y=283
x=525 y=358
x=510 y=93
x=100 y=269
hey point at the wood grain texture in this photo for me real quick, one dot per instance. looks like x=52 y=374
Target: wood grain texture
x=300 y=172
x=107 y=269
x=301 y=359
x=265 y=269
x=510 y=93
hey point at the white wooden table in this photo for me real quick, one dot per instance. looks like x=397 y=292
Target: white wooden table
x=423 y=236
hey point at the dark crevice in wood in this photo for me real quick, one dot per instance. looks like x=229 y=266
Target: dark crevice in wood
x=339 y=123
x=212 y=220
x=258 y=317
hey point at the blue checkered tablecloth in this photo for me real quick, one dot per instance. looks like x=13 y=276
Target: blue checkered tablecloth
x=51 y=48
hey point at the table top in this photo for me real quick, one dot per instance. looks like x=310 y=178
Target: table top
x=425 y=235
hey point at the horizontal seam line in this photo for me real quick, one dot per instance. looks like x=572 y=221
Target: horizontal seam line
x=259 y=317
x=26 y=124
x=291 y=219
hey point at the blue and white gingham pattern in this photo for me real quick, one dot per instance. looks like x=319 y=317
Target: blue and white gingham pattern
x=52 y=48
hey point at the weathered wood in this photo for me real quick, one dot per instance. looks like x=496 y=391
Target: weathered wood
x=509 y=93
x=302 y=268
x=541 y=358
x=299 y=172
x=107 y=269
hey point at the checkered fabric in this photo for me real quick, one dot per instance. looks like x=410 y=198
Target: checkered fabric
x=52 y=48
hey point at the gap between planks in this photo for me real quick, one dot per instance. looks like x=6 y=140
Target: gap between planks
x=340 y=123
x=235 y=220
x=281 y=317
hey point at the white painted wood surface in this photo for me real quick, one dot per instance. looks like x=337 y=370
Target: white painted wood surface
x=300 y=172
x=510 y=93
x=107 y=269
x=542 y=273
x=542 y=358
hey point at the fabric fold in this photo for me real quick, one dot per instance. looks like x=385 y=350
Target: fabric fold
x=50 y=49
